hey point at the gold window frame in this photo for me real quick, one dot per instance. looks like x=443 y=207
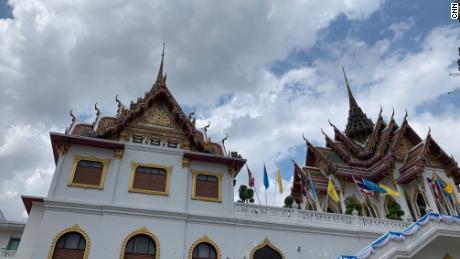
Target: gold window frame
x=219 y=184
x=77 y=229
x=105 y=167
x=141 y=231
x=135 y=165
x=205 y=239
x=266 y=242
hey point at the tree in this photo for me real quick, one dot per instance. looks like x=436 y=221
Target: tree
x=288 y=201
x=351 y=204
x=246 y=194
x=394 y=210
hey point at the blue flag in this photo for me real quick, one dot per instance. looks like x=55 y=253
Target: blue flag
x=312 y=187
x=373 y=186
x=266 y=182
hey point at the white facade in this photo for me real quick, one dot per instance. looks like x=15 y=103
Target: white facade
x=108 y=216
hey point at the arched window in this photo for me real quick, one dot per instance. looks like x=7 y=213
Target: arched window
x=421 y=204
x=267 y=252
x=140 y=246
x=204 y=248
x=71 y=245
x=204 y=251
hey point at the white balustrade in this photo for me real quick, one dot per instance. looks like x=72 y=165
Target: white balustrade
x=308 y=217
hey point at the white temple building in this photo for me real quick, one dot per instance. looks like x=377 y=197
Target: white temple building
x=147 y=184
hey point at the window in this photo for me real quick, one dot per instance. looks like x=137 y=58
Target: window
x=267 y=252
x=172 y=145
x=71 y=245
x=155 y=142
x=138 y=139
x=206 y=186
x=89 y=172
x=204 y=251
x=140 y=247
x=13 y=244
x=150 y=178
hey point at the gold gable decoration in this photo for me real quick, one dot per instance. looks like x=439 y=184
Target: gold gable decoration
x=403 y=148
x=157 y=116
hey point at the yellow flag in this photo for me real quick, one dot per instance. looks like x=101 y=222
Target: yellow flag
x=279 y=180
x=449 y=189
x=331 y=191
x=390 y=191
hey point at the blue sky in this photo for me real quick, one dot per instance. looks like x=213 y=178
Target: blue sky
x=263 y=72
x=5 y=10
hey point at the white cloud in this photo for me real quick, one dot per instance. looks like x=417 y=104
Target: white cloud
x=400 y=28
x=57 y=55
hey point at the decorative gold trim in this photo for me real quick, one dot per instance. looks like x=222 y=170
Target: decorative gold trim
x=74 y=228
x=266 y=242
x=78 y=158
x=118 y=153
x=219 y=183
x=185 y=162
x=141 y=231
x=204 y=239
x=134 y=166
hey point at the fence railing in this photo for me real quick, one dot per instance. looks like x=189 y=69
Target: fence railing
x=307 y=217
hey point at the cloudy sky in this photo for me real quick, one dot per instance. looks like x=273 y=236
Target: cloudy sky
x=263 y=71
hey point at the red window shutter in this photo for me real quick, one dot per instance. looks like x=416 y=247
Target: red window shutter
x=141 y=181
x=208 y=189
x=85 y=174
x=68 y=254
x=158 y=183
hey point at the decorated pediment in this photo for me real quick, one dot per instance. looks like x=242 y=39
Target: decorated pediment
x=156 y=116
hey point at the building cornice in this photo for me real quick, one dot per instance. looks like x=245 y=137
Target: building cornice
x=248 y=221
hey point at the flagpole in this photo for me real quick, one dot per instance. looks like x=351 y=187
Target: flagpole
x=274 y=195
x=364 y=198
x=266 y=204
x=257 y=195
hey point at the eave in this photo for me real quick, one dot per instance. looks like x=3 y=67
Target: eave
x=29 y=200
x=232 y=162
x=58 y=140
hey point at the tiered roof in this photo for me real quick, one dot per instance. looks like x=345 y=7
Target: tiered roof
x=370 y=151
x=157 y=115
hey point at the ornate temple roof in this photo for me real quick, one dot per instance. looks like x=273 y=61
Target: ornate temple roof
x=359 y=126
x=371 y=151
x=156 y=115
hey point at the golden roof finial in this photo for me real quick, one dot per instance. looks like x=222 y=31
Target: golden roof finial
x=73 y=116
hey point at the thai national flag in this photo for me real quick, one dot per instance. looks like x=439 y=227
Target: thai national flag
x=363 y=188
x=251 y=179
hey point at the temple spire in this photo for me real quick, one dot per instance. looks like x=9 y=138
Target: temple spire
x=359 y=126
x=160 y=77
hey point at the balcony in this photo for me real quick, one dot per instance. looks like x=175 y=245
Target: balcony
x=316 y=219
x=4 y=253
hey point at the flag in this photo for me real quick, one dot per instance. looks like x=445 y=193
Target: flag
x=432 y=184
x=442 y=185
x=266 y=181
x=251 y=179
x=362 y=187
x=280 y=181
x=390 y=191
x=312 y=187
x=300 y=175
x=297 y=185
x=373 y=186
x=331 y=191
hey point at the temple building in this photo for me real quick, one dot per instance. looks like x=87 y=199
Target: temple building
x=147 y=183
x=385 y=153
